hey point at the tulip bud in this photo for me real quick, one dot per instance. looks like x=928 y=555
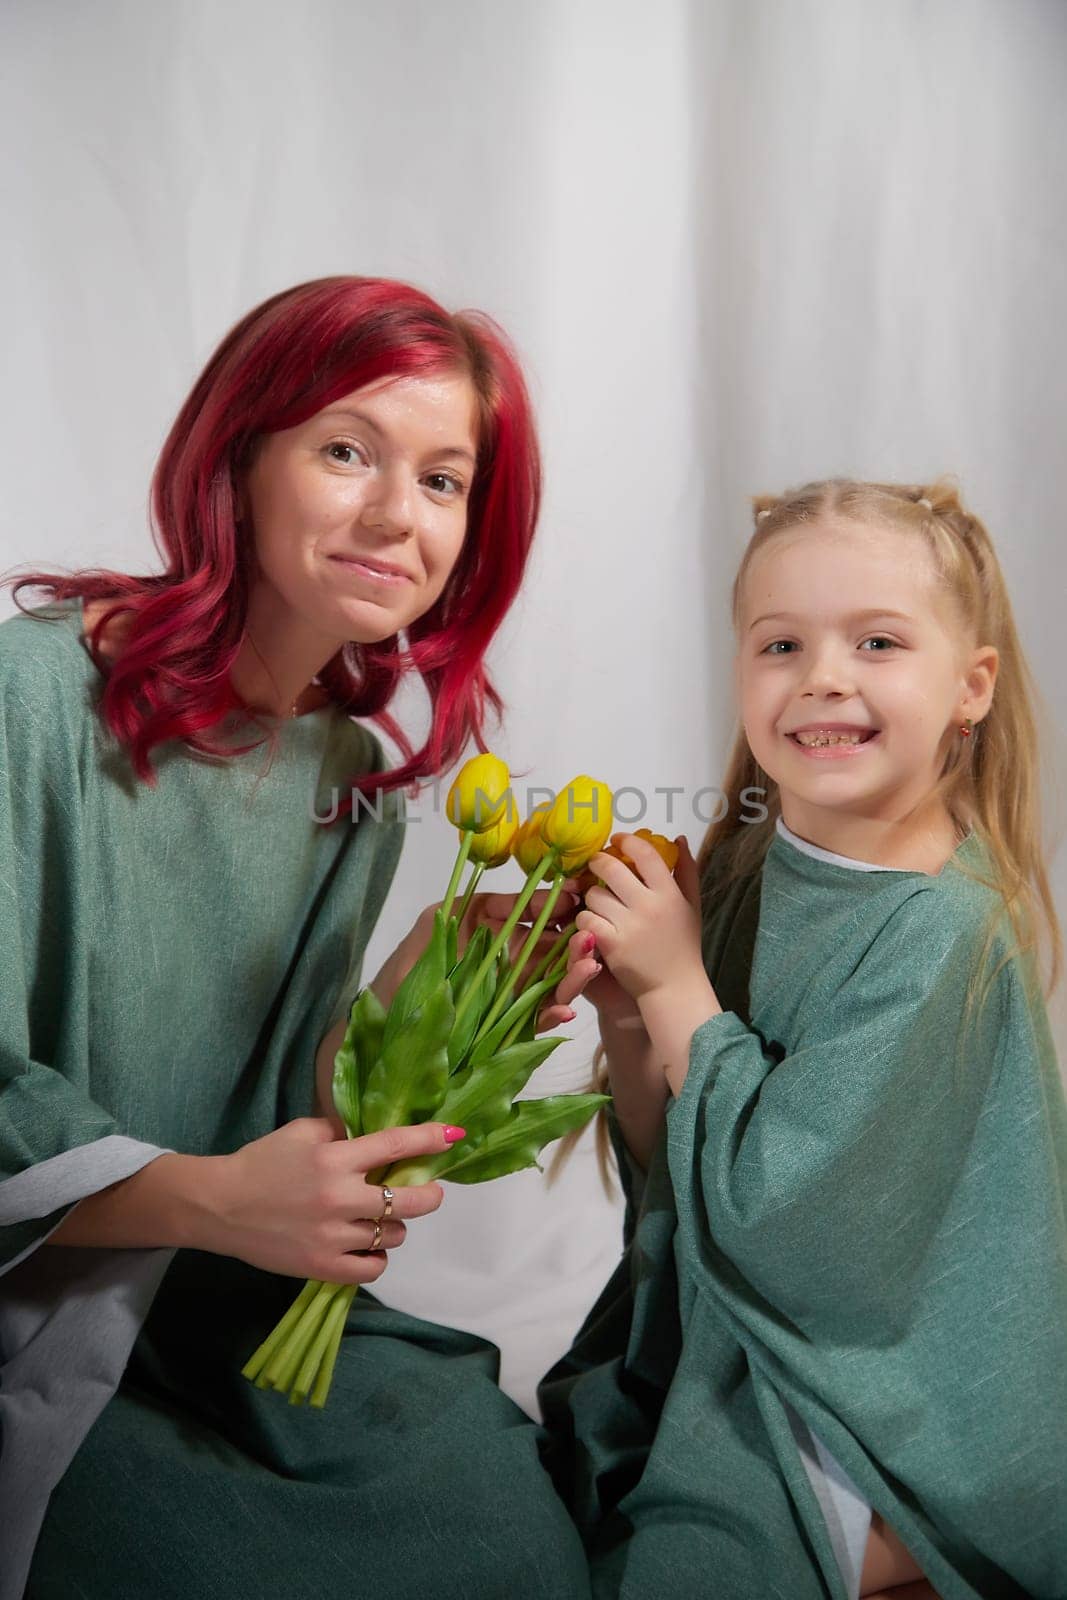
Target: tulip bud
x=480 y=795
x=578 y=824
x=528 y=847
x=665 y=848
x=493 y=847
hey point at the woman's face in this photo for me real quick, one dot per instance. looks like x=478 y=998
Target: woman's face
x=359 y=514
x=844 y=630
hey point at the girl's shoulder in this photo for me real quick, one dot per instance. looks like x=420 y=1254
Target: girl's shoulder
x=921 y=931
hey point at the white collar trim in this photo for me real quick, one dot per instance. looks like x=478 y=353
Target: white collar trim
x=829 y=855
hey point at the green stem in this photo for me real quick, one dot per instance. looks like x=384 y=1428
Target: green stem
x=325 y=1377
x=472 y=884
x=281 y=1371
x=255 y=1363
x=550 y=956
x=557 y=972
x=457 y=871
x=498 y=1005
x=324 y=1340
x=505 y=933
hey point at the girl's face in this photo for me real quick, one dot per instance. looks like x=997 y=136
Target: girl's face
x=359 y=513
x=843 y=633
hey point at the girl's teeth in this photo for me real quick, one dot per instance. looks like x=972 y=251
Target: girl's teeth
x=815 y=740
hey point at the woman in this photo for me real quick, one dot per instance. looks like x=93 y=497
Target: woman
x=348 y=493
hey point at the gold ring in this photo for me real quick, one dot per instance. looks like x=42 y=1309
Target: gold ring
x=388 y=1197
x=377 y=1237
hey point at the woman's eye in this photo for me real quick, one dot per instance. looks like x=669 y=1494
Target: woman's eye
x=347 y=454
x=444 y=483
x=770 y=648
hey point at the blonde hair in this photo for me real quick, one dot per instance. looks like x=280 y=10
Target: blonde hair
x=990 y=783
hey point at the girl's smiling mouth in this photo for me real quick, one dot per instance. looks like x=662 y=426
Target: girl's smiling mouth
x=832 y=740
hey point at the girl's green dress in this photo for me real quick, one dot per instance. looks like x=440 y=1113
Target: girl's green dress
x=855 y=1218
x=172 y=958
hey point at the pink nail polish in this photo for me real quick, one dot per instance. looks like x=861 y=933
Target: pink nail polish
x=570 y=1016
x=452 y=1134
x=589 y=944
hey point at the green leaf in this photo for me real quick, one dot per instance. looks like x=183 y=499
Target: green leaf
x=451 y=943
x=461 y=978
x=424 y=979
x=411 y=1077
x=518 y=1142
x=345 y=1094
x=519 y=1010
x=359 y=1051
x=471 y=959
x=479 y=1099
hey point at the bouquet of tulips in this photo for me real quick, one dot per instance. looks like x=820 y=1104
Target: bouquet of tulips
x=457 y=1043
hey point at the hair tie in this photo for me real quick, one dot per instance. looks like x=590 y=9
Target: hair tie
x=765 y=512
x=923 y=501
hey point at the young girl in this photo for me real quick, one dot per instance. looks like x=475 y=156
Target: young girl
x=834 y=1359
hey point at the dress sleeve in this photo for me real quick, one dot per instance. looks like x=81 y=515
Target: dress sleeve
x=56 y=1144
x=815 y=1180
x=388 y=841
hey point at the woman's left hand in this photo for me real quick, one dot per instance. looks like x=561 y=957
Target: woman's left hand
x=492 y=911
x=646 y=922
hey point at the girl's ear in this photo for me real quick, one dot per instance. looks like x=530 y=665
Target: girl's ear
x=980 y=679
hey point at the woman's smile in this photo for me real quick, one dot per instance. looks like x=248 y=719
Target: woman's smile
x=372 y=573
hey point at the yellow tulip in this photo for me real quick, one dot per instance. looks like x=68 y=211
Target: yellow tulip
x=528 y=847
x=664 y=847
x=493 y=847
x=481 y=795
x=578 y=825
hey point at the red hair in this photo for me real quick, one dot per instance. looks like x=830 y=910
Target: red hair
x=292 y=356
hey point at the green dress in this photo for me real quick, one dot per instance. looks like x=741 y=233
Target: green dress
x=852 y=1228
x=173 y=956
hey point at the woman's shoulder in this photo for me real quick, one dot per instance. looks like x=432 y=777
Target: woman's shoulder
x=41 y=653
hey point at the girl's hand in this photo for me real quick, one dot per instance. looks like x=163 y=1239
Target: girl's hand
x=587 y=975
x=297 y=1201
x=646 y=923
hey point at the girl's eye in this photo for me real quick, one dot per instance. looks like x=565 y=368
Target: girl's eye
x=347 y=454
x=445 y=483
x=880 y=639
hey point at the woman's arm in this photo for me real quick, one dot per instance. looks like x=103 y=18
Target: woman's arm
x=168 y=1203
x=296 y=1202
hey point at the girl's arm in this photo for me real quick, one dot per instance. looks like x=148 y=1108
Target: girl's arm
x=672 y=1016
x=636 y=1077
x=647 y=925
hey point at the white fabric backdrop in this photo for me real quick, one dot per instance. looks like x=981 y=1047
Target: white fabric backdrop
x=739 y=245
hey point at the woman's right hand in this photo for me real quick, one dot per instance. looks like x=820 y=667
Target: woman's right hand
x=297 y=1201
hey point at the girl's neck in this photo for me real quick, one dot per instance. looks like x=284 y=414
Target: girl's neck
x=917 y=844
